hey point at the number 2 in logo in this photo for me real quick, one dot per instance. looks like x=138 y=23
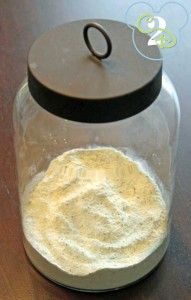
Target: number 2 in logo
x=156 y=26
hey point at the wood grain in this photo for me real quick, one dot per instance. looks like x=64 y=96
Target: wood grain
x=21 y=21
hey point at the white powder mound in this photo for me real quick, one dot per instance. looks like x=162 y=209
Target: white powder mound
x=94 y=209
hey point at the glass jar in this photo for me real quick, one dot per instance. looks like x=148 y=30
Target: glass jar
x=148 y=136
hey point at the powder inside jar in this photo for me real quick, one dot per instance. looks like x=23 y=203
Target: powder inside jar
x=94 y=209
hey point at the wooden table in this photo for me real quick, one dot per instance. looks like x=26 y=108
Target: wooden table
x=21 y=21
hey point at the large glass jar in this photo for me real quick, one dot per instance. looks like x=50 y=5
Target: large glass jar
x=148 y=136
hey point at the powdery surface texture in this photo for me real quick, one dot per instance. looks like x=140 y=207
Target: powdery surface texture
x=94 y=209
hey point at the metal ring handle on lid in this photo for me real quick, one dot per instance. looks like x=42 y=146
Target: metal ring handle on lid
x=89 y=45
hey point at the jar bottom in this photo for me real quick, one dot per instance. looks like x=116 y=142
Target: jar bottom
x=96 y=282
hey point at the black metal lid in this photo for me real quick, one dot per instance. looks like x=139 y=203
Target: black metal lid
x=68 y=81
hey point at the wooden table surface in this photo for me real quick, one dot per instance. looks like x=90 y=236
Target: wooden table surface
x=21 y=21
